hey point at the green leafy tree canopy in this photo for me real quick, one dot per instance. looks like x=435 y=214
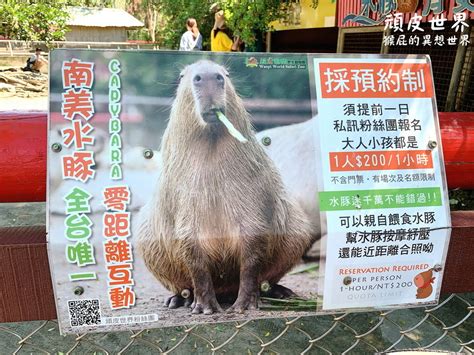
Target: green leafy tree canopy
x=175 y=13
x=39 y=20
x=35 y=21
x=247 y=18
x=250 y=18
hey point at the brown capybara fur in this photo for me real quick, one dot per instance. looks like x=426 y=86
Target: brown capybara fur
x=220 y=220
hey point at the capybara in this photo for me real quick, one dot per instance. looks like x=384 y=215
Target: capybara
x=423 y=281
x=294 y=152
x=220 y=221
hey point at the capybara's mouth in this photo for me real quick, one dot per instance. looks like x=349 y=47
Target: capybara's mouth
x=211 y=116
x=216 y=116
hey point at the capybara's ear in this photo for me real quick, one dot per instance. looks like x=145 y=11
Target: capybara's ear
x=182 y=73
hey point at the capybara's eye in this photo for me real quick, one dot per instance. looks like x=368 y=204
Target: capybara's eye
x=220 y=78
x=197 y=78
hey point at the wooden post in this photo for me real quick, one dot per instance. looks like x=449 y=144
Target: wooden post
x=10 y=47
x=26 y=291
x=268 y=44
x=385 y=49
x=340 y=40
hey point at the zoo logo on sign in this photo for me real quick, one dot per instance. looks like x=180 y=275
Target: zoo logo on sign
x=275 y=63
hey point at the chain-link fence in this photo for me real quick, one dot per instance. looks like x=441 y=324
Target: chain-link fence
x=363 y=42
x=443 y=58
x=448 y=327
x=465 y=92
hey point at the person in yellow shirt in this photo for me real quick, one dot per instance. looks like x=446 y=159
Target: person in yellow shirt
x=220 y=40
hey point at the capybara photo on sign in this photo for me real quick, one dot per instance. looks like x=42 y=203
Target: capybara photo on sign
x=203 y=206
x=220 y=221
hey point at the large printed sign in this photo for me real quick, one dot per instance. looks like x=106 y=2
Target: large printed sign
x=383 y=190
x=202 y=187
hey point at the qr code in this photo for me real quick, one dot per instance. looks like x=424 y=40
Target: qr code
x=84 y=312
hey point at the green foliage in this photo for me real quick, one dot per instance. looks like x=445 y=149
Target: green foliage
x=40 y=20
x=461 y=199
x=173 y=24
x=91 y=3
x=251 y=18
x=36 y=20
x=140 y=34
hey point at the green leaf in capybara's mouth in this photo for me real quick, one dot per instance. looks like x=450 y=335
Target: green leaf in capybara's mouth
x=230 y=127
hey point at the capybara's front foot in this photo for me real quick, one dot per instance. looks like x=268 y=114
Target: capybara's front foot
x=245 y=301
x=278 y=291
x=206 y=304
x=178 y=301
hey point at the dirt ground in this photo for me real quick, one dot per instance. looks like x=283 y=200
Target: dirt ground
x=21 y=99
x=24 y=104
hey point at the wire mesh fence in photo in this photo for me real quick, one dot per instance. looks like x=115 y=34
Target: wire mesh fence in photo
x=447 y=327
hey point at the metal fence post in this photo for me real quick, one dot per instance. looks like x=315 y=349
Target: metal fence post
x=455 y=78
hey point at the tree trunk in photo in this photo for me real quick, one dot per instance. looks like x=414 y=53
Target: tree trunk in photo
x=150 y=19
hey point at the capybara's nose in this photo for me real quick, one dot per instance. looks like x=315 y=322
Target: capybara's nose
x=208 y=80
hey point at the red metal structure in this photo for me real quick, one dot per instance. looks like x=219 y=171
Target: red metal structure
x=23 y=138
